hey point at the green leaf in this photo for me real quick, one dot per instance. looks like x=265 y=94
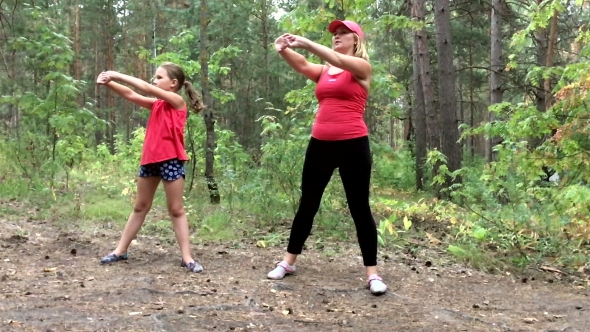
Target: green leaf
x=407 y=223
x=455 y=250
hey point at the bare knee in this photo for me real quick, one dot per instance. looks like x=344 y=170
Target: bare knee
x=176 y=211
x=142 y=207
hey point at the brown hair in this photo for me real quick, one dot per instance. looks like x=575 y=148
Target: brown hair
x=175 y=72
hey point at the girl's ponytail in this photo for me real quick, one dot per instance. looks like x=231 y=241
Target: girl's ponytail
x=195 y=100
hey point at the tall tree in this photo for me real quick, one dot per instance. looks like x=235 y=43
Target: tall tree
x=450 y=146
x=208 y=115
x=419 y=105
x=111 y=30
x=77 y=47
x=432 y=118
x=550 y=56
x=497 y=68
x=540 y=39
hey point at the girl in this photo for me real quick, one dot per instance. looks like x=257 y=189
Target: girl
x=339 y=139
x=163 y=153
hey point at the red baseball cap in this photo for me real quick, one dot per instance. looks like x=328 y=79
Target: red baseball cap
x=352 y=26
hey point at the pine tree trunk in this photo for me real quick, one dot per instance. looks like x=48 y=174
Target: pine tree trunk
x=471 y=94
x=450 y=146
x=77 y=49
x=419 y=108
x=98 y=134
x=497 y=67
x=208 y=112
x=432 y=120
x=540 y=36
x=550 y=53
x=110 y=65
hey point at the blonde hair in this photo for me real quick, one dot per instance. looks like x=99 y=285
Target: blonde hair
x=360 y=48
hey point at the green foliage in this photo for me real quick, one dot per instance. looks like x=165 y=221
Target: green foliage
x=53 y=133
x=393 y=168
x=508 y=205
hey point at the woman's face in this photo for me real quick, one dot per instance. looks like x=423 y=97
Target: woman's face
x=343 y=40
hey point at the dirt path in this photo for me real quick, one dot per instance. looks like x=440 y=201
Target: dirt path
x=51 y=280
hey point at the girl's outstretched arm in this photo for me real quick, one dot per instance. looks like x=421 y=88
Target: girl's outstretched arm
x=131 y=95
x=173 y=98
x=125 y=92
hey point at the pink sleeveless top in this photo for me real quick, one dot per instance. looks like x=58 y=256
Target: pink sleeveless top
x=342 y=104
x=164 y=137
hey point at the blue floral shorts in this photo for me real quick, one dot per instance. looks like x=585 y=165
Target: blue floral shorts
x=168 y=170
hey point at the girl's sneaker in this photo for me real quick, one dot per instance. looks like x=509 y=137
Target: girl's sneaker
x=376 y=285
x=193 y=266
x=111 y=258
x=281 y=270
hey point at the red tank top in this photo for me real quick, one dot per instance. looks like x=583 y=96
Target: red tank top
x=164 y=137
x=342 y=104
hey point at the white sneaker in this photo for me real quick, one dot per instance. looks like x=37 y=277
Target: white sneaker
x=376 y=285
x=281 y=270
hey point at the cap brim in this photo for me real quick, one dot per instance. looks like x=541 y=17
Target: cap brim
x=335 y=25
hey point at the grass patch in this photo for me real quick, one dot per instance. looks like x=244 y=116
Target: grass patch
x=106 y=209
x=6 y=209
x=162 y=228
x=218 y=226
x=13 y=189
x=477 y=258
x=335 y=227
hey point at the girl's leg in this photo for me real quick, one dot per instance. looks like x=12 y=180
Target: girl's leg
x=174 y=187
x=317 y=171
x=146 y=188
x=355 y=172
x=174 y=191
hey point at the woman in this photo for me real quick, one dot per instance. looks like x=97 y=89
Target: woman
x=339 y=139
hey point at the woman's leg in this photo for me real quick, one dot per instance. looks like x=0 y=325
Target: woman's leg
x=318 y=167
x=355 y=172
x=317 y=172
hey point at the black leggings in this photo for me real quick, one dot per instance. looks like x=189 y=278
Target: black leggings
x=353 y=159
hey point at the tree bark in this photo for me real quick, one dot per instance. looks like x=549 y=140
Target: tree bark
x=419 y=108
x=550 y=53
x=111 y=128
x=497 y=68
x=211 y=143
x=77 y=49
x=540 y=36
x=98 y=134
x=450 y=146
x=432 y=120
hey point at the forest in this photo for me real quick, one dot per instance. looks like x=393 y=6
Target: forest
x=478 y=120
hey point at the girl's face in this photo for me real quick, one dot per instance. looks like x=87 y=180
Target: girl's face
x=343 y=40
x=163 y=81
